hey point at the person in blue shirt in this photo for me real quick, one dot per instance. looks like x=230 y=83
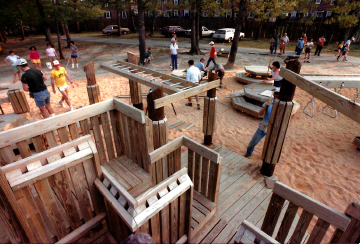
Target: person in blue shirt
x=261 y=131
x=299 y=46
x=201 y=66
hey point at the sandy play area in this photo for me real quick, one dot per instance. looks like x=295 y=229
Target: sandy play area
x=318 y=157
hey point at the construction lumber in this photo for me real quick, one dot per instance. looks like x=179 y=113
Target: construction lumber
x=209 y=117
x=175 y=124
x=202 y=150
x=183 y=126
x=93 y=93
x=342 y=104
x=129 y=111
x=252 y=233
x=335 y=81
x=135 y=88
x=187 y=128
x=164 y=150
x=18 y=101
x=92 y=88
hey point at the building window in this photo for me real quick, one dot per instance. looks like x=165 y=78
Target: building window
x=328 y=13
x=165 y=1
x=293 y=14
x=176 y=2
x=218 y=1
x=305 y=14
x=124 y=15
x=106 y=5
x=332 y=2
x=176 y=12
x=204 y=14
x=167 y=13
x=318 y=1
x=250 y=15
x=228 y=13
x=285 y=14
x=108 y=14
x=186 y=13
x=150 y=13
x=319 y=14
x=216 y=13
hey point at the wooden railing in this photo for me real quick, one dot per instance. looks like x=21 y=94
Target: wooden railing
x=163 y=211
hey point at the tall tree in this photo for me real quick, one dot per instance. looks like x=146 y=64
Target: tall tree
x=44 y=21
x=58 y=33
x=141 y=29
x=194 y=29
x=234 y=46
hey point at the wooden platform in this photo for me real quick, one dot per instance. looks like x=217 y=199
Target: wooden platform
x=242 y=195
x=245 y=78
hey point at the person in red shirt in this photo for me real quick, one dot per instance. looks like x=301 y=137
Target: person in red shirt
x=320 y=45
x=35 y=57
x=212 y=54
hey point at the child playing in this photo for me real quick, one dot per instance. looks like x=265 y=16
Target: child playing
x=35 y=57
x=51 y=53
x=148 y=56
x=275 y=75
x=308 y=47
x=339 y=48
x=74 y=50
x=343 y=54
x=58 y=78
x=272 y=46
x=12 y=61
x=282 y=47
x=213 y=55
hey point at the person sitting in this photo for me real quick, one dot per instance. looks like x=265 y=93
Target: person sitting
x=275 y=75
x=261 y=131
x=193 y=75
x=201 y=66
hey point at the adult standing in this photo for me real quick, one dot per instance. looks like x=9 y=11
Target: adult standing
x=299 y=46
x=286 y=40
x=305 y=40
x=193 y=75
x=33 y=81
x=276 y=41
x=12 y=60
x=320 y=45
x=308 y=47
x=174 y=50
x=347 y=44
x=213 y=55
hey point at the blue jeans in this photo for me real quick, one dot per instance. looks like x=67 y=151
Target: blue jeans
x=174 y=61
x=275 y=44
x=42 y=98
x=259 y=134
x=209 y=60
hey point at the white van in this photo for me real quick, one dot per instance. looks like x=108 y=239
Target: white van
x=226 y=34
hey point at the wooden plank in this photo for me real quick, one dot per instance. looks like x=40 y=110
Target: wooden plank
x=74 y=131
x=199 y=206
x=204 y=200
x=301 y=227
x=205 y=175
x=166 y=149
x=318 y=232
x=126 y=133
x=165 y=220
x=161 y=102
x=183 y=126
x=174 y=220
x=155 y=222
x=63 y=134
x=197 y=172
x=187 y=127
x=212 y=117
x=260 y=236
x=175 y=124
x=214 y=180
x=287 y=222
x=197 y=215
x=134 y=168
x=272 y=214
x=116 y=135
x=107 y=136
x=352 y=232
x=342 y=104
x=270 y=126
x=84 y=125
x=200 y=149
x=27 y=131
x=129 y=111
x=206 y=114
x=124 y=173
x=98 y=139
x=315 y=207
x=182 y=214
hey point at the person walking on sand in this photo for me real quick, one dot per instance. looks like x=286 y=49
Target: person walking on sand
x=299 y=46
x=58 y=78
x=74 y=50
x=173 y=53
x=320 y=45
x=35 y=57
x=286 y=40
x=308 y=47
x=11 y=60
x=33 y=81
x=339 y=48
x=193 y=75
x=212 y=54
x=51 y=53
x=276 y=41
x=347 y=44
x=343 y=53
x=261 y=131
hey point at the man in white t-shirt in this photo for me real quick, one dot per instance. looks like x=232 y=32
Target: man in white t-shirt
x=347 y=43
x=193 y=75
x=286 y=40
x=173 y=54
x=12 y=60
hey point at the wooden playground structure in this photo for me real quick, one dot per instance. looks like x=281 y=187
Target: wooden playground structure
x=105 y=171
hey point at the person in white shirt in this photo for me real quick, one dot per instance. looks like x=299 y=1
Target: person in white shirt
x=51 y=53
x=347 y=44
x=12 y=60
x=173 y=54
x=193 y=75
x=286 y=40
x=308 y=47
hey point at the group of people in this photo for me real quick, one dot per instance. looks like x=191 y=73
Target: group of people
x=343 y=49
x=281 y=42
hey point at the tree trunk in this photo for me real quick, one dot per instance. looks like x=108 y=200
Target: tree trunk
x=232 y=14
x=3 y=32
x=199 y=19
x=234 y=46
x=44 y=23
x=198 y=29
x=59 y=41
x=153 y=24
x=2 y=39
x=118 y=17
x=259 y=31
x=22 y=30
x=67 y=33
x=194 y=47
x=344 y=34
x=62 y=29
x=141 y=31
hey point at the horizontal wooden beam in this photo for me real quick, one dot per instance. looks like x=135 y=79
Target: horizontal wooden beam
x=317 y=208
x=42 y=156
x=140 y=79
x=161 y=102
x=50 y=169
x=342 y=104
x=129 y=111
x=83 y=230
x=335 y=81
x=24 y=132
x=166 y=149
x=202 y=150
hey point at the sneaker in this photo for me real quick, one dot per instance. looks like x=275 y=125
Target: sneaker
x=188 y=104
x=72 y=66
x=62 y=104
x=198 y=106
x=220 y=86
x=77 y=66
x=71 y=108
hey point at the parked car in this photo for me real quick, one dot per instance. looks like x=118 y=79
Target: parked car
x=205 y=32
x=113 y=29
x=169 y=30
x=226 y=34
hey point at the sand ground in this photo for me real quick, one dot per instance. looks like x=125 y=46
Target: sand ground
x=318 y=157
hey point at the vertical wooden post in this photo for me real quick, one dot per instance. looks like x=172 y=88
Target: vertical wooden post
x=209 y=117
x=279 y=120
x=18 y=101
x=92 y=88
x=135 y=88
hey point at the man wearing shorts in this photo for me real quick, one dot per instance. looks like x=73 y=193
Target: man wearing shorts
x=58 y=78
x=220 y=71
x=74 y=50
x=12 y=60
x=33 y=81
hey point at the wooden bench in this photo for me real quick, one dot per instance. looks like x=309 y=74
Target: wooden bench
x=240 y=103
x=245 y=78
